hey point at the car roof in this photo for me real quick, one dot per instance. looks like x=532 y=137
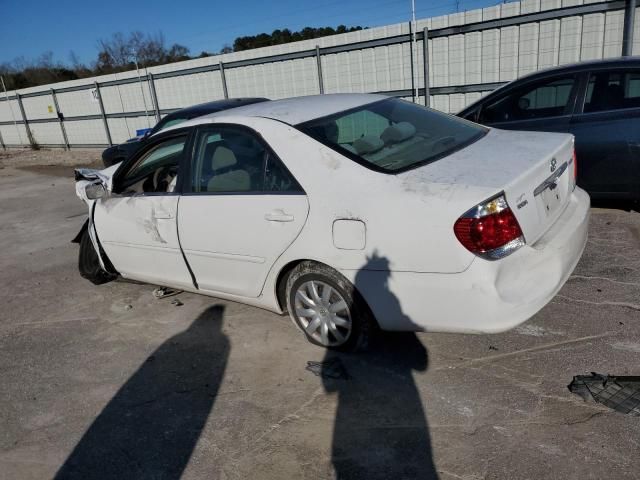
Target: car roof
x=296 y=110
x=605 y=63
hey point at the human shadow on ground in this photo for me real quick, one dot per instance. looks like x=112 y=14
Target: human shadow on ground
x=380 y=428
x=150 y=427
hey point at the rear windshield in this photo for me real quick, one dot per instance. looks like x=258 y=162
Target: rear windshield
x=167 y=122
x=393 y=135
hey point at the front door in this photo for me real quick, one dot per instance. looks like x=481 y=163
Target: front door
x=543 y=105
x=136 y=224
x=239 y=212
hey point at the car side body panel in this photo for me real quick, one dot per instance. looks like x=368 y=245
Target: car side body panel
x=397 y=243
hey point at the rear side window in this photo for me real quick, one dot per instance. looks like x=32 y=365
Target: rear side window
x=230 y=160
x=545 y=99
x=612 y=91
x=393 y=135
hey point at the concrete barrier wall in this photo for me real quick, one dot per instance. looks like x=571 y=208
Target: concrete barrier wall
x=469 y=54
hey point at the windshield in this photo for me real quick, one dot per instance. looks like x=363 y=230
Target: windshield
x=167 y=122
x=393 y=135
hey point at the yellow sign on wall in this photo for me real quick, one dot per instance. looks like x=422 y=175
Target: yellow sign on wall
x=50 y=108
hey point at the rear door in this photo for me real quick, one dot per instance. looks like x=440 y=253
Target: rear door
x=607 y=131
x=240 y=210
x=543 y=105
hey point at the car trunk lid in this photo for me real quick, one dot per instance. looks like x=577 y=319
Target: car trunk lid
x=533 y=169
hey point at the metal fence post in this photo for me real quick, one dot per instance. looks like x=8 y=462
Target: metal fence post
x=154 y=96
x=627 y=36
x=60 y=119
x=224 y=81
x=319 y=62
x=104 y=115
x=4 y=147
x=425 y=60
x=413 y=76
x=24 y=119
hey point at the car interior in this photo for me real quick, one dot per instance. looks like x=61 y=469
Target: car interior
x=157 y=170
x=612 y=91
x=392 y=138
x=234 y=161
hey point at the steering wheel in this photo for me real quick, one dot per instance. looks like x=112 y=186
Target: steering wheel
x=161 y=178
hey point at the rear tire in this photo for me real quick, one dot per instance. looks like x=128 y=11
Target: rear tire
x=328 y=308
x=89 y=264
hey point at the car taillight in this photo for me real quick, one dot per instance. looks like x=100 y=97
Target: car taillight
x=490 y=229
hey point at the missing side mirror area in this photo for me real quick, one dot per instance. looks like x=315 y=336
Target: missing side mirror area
x=93 y=191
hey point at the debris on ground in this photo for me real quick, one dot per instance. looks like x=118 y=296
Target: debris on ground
x=128 y=307
x=620 y=393
x=332 y=368
x=176 y=302
x=164 y=292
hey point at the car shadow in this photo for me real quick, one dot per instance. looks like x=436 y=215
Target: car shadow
x=150 y=427
x=380 y=429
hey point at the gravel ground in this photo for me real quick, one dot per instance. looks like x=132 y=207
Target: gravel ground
x=54 y=157
x=109 y=382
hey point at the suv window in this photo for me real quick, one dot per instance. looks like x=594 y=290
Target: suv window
x=231 y=160
x=157 y=169
x=612 y=91
x=548 y=98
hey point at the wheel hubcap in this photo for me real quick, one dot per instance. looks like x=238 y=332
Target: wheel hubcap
x=323 y=313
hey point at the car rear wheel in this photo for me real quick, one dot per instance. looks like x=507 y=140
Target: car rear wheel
x=327 y=308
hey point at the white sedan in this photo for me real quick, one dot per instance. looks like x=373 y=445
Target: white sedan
x=351 y=212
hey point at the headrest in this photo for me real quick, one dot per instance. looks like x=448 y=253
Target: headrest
x=349 y=148
x=368 y=144
x=398 y=132
x=222 y=157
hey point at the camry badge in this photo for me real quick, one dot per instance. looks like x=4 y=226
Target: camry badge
x=553 y=164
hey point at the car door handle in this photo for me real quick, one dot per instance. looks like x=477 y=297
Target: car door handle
x=162 y=215
x=278 y=216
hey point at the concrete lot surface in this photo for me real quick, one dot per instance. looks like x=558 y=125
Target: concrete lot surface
x=109 y=382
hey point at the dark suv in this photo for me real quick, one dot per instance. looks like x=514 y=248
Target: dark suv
x=598 y=102
x=119 y=153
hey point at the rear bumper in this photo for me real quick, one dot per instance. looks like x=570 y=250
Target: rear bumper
x=488 y=297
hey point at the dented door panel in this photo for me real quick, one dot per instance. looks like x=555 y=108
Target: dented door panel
x=139 y=235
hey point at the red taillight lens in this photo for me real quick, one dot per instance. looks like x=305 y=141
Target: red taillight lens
x=489 y=230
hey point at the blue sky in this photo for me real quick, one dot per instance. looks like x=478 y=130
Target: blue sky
x=29 y=28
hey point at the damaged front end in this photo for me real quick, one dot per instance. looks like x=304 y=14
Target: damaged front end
x=91 y=185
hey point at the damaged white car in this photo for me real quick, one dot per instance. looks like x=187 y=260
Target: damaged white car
x=351 y=212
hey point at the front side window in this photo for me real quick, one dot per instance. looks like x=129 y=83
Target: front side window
x=612 y=91
x=393 y=135
x=156 y=170
x=546 y=99
x=230 y=160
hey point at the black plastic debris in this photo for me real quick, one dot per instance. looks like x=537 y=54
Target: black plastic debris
x=618 y=393
x=164 y=292
x=332 y=368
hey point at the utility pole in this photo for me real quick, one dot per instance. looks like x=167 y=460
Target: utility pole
x=414 y=52
x=144 y=100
